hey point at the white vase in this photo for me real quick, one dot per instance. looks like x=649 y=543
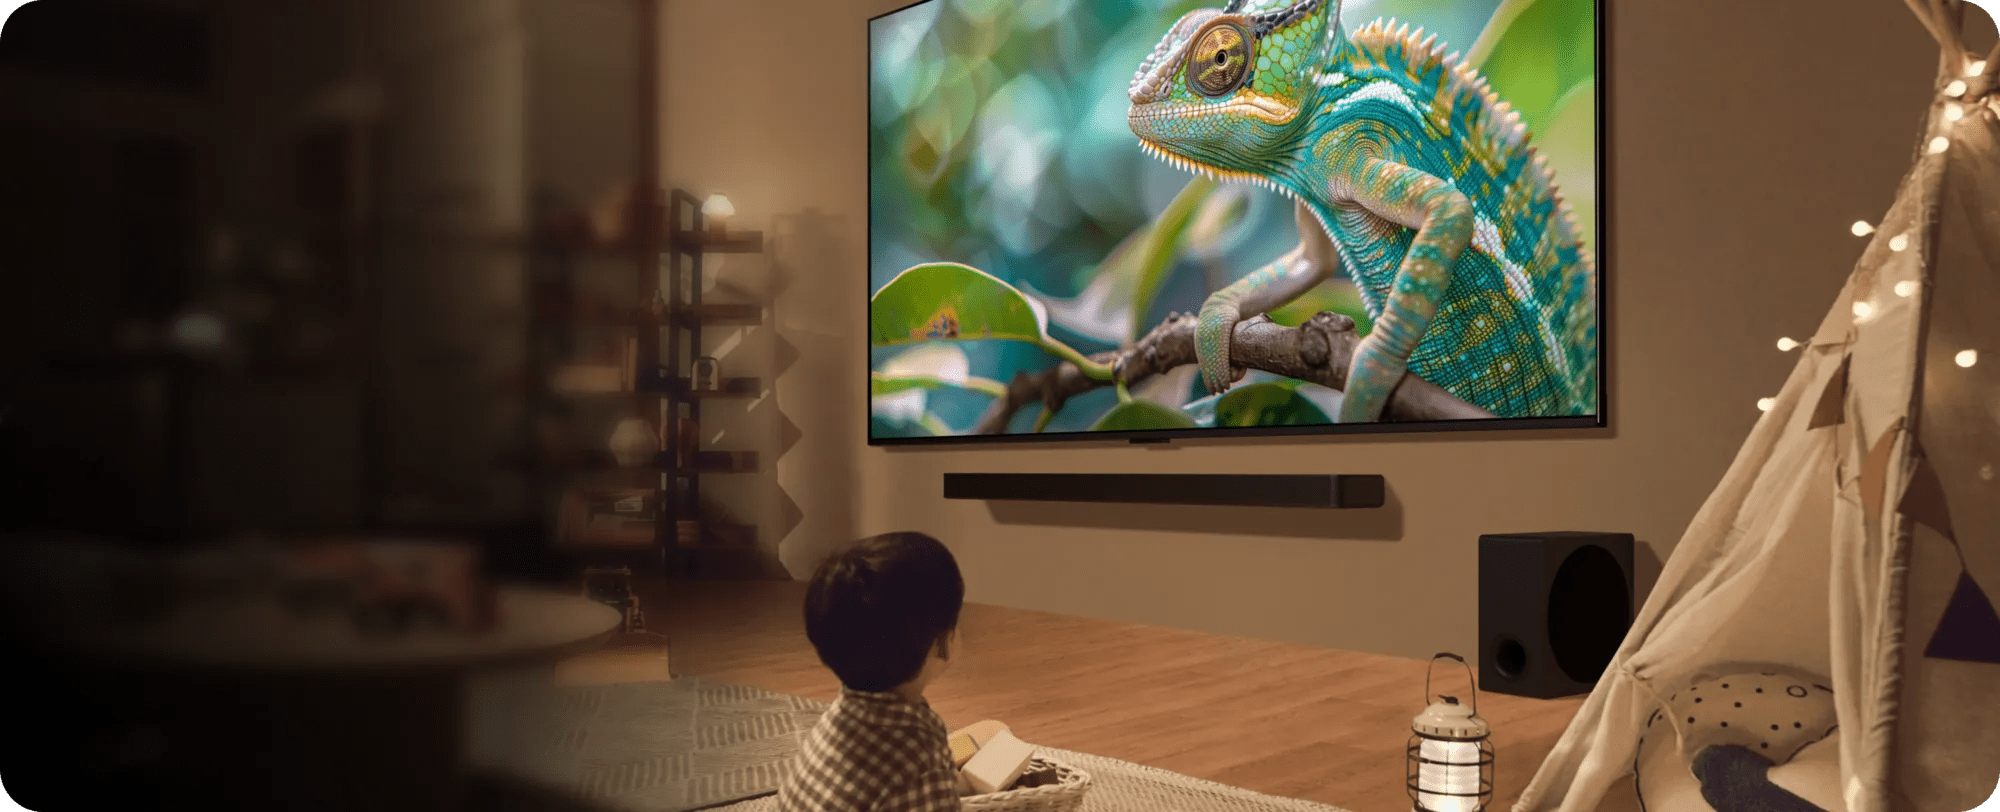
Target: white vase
x=634 y=443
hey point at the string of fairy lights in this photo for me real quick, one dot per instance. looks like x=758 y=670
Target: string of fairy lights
x=1865 y=309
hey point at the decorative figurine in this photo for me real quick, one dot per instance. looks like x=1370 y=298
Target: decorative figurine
x=707 y=374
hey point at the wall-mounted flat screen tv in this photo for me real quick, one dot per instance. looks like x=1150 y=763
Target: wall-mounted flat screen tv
x=1095 y=219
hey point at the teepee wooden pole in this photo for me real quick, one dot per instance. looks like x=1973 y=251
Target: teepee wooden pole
x=1943 y=19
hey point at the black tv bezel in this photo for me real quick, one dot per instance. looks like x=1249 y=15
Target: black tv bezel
x=1599 y=420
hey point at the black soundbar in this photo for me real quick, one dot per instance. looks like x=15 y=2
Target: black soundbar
x=1257 y=490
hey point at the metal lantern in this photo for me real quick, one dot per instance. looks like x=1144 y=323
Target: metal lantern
x=1450 y=758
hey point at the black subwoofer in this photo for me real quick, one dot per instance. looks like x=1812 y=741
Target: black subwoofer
x=1553 y=608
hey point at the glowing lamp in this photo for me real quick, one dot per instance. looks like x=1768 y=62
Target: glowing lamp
x=1862 y=228
x=198 y=332
x=1966 y=358
x=1955 y=89
x=1450 y=760
x=1906 y=288
x=1765 y=404
x=716 y=211
x=1787 y=344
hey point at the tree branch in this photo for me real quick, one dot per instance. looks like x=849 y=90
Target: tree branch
x=1318 y=351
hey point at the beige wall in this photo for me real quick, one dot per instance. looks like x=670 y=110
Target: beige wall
x=1746 y=136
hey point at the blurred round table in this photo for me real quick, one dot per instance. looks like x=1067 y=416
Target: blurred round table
x=250 y=706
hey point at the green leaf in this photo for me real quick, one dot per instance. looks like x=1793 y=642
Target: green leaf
x=1534 y=52
x=1571 y=143
x=1102 y=311
x=1202 y=410
x=942 y=301
x=1170 y=388
x=947 y=301
x=1219 y=224
x=882 y=427
x=1123 y=286
x=931 y=365
x=1162 y=245
x=906 y=406
x=1337 y=295
x=1268 y=404
x=1143 y=415
x=880 y=385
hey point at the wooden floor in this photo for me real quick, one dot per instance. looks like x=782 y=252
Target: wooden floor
x=1290 y=720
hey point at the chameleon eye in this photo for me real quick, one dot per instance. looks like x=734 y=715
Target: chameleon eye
x=1219 y=60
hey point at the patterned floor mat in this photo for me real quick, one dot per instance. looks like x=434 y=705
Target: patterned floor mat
x=648 y=747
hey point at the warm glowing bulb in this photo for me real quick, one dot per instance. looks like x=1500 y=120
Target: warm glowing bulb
x=1449 y=767
x=1765 y=404
x=1939 y=144
x=1955 y=89
x=1862 y=228
x=1953 y=112
x=1863 y=310
x=1978 y=66
x=1899 y=242
x=1986 y=472
x=1906 y=288
x=204 y=331
x=1786 y=344
x=1966 y=358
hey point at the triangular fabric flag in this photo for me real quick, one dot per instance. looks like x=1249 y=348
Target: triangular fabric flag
x=1924 y=502
x=1970 y=631
x=1831 y=409
x=1875 y=474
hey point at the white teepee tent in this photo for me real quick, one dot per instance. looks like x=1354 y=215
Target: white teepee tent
x=1854 y=544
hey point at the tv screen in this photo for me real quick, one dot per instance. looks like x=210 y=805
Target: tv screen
x=1093 y=219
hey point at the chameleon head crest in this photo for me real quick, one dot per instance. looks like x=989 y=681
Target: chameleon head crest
x=1224 y=87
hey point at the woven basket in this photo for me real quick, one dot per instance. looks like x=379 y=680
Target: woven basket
x=1046 y=786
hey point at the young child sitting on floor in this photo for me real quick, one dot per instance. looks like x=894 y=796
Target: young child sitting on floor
x=883 y=615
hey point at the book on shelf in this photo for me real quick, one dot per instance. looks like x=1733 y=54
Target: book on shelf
x=609 y=516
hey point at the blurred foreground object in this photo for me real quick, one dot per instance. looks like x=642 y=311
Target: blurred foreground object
x=209 y=678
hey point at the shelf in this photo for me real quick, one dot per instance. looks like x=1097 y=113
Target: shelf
x=599 y=397
x=722 y=536
x=721 y=315
x=624 y=317
x=598 y=460
x=708 y=315
x=714 y=462
x=735 y=242
x=727 y=388
x=600 y=544
x=705 y=462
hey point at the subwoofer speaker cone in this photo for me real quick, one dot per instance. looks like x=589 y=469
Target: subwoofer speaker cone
x=1553 y=609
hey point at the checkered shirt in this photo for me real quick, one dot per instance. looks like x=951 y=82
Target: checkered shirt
x=873 y=752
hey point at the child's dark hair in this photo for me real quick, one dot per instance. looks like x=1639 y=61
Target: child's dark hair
x=876 y=610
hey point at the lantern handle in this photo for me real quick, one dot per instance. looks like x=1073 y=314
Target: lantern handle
x=1468 y=677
